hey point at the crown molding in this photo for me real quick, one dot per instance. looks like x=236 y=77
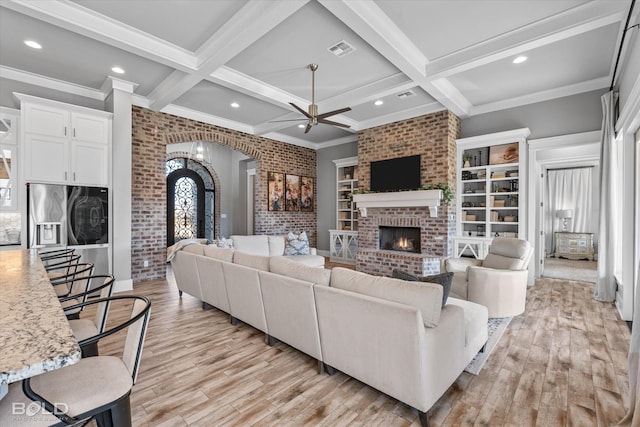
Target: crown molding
x=188 y=113
x=50 y=83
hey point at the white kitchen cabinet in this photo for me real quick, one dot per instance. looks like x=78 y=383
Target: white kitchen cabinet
x=65 y=144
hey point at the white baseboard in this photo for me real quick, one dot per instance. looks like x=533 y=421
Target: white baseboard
x=123 y=285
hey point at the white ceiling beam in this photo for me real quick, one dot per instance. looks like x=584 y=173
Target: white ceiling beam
x=248 y=25
x=73 y=17
x=199 y=116
x=573 y=22
x=545 y=95
x=243 y=83
x=376 y=28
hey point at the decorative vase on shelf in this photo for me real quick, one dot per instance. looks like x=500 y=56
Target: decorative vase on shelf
x=466 y=164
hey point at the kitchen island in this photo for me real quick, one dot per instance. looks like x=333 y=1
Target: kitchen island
x=35 y=336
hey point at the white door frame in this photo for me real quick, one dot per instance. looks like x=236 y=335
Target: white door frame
x=564 y=150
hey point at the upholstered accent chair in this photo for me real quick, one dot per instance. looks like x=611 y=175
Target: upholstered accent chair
x=499 y=282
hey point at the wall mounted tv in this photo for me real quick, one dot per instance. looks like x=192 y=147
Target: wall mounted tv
x=401 y=173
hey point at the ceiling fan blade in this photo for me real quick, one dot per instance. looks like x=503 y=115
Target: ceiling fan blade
x=332 y=123
x=333 y=113
x=308 y=128
x=300 y=109
x=289 y=120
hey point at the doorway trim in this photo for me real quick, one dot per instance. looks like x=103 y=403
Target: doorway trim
x=537 y=169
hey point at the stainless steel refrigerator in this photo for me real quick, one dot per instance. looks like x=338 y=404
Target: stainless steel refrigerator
x=70 y=216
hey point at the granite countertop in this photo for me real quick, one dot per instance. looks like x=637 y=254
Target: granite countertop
x=35 y=335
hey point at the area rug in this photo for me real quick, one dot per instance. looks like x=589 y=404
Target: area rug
x=497 y=326
x=581 y=271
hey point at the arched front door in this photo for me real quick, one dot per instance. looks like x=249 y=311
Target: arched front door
x=185 y=206
x=190 y=200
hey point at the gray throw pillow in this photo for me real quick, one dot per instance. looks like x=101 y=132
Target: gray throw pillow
x=442 y=279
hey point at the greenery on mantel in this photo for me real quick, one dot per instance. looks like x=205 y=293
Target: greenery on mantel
x=447 y=194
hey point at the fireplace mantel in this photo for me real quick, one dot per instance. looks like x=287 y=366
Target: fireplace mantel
x=399 y=199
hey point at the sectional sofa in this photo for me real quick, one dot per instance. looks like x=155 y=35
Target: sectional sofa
x=391 y=334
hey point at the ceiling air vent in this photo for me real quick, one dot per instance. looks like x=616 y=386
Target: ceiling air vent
x=405 y=95
x=341 y=48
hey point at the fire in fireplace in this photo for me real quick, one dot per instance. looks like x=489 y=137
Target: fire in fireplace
x=403 y=239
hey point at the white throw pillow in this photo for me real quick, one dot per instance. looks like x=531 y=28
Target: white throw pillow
x=297 y=244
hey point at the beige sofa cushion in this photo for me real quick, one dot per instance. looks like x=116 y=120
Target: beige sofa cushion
x=427 y=297
x=297 y=270
x=260 y=262
x=194 y=248
x=257 y=245
x=308 y=260
x=276 y=245
x=223 y=254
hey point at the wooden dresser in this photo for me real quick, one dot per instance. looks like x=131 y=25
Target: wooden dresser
x=574 y=245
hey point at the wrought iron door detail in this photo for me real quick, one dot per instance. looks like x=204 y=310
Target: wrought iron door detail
x=185 y=210
x=190 y=201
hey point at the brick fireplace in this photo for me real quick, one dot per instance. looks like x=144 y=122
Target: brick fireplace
x=434 y=235
x=432 y=136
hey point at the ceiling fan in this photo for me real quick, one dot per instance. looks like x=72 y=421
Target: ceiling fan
x=312 y=116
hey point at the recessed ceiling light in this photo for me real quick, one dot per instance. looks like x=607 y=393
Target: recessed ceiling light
x=301 y=126
x=235 y=105
x=378 y=102
x=520 y=59
x=33 y=44
x=117 y=69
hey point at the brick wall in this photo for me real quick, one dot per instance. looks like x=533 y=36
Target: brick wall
x=152 y=131
x=433 y=137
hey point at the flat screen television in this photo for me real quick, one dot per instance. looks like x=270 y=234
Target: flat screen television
x=401 y=173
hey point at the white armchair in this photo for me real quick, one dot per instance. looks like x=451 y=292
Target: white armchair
x=499 y=282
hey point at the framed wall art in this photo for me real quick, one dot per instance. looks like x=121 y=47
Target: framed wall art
x=275 y=185
x=292 y=193
x=505 y=153
x=306 y=194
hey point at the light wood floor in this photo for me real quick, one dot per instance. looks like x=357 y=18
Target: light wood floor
x=562 y=363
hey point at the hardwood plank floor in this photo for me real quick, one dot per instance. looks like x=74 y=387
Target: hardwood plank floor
x=562 y=363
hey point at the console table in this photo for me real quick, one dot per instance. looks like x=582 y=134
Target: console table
x=574 y=245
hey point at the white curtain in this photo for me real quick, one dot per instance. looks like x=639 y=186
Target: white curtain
x=568 y=189
x=606 y=284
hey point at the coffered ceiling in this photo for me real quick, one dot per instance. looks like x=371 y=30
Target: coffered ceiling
x=194 y=58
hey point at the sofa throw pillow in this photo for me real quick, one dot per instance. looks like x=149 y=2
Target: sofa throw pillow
x=223 y=243
x=442 y=279
x=297 y=244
